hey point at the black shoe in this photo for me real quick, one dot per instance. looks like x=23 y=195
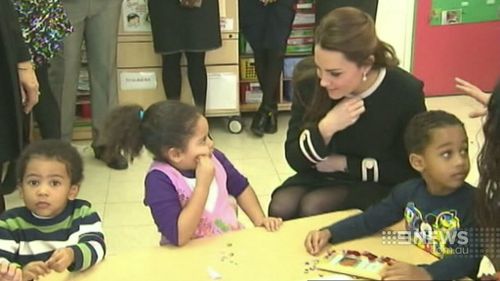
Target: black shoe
x=117 y=161
x=259 y=122
x=272 y=122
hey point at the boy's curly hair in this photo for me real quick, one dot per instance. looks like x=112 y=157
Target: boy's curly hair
x=58 y=150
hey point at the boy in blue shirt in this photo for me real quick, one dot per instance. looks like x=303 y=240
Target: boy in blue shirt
x=436 y=206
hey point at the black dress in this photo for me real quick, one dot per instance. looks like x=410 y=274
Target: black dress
x=266 y=26
x=12 y=51
x=178 y=29
x=377 y=134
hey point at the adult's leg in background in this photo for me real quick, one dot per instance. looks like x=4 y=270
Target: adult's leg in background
x=101 y=31
x=197 y=74
x=285 y=202
x=260 y=117
x=65 y=67
x=275 y=59
x=171 y=74
x=269 y=56
x=47 y=113
x=260 y=63
x=272 y=73
x=275 y=32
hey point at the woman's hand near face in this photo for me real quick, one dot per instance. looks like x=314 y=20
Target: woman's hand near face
x=341 y=116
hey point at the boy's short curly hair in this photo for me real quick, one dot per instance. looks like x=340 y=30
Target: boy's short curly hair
x=417 y=135
x=58 y=150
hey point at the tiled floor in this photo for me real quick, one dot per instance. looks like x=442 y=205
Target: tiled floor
x=117 y=195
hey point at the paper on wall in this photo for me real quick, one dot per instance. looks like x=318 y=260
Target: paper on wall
x=222 y=90
x=135 y=16
x=226 y=24
x=138 y=80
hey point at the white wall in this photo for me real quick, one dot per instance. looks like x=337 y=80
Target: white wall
x=395 y=26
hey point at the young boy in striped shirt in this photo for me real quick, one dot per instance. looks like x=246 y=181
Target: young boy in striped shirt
x=54 y=230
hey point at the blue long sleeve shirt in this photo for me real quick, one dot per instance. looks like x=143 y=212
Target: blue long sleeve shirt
x=441 y=225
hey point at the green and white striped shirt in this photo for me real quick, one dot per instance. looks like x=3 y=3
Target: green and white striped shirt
x=25 y=238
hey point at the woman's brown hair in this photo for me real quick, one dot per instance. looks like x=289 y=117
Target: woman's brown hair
x=352 y=32
x=488 y=160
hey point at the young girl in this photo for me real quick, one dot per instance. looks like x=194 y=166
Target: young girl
x=189 y=184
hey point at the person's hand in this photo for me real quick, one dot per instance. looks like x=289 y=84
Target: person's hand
x=35 y=269
x=332 y=163
x=316 y=240
x=341 y=116
x=10 y=272
x=473 y=91
x=28 y=85
x=61 y=259
x=271 y=223
x=205 y=171
x=404 y=271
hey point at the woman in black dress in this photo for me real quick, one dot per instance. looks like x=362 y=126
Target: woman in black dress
x=350 y=109
x=15 y=71
x=193 y=31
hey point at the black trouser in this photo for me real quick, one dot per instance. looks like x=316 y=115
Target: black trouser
x=47 y=113
x=268 y=66
x=197 y=75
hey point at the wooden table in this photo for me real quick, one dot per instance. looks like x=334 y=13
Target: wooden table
x=251 y=254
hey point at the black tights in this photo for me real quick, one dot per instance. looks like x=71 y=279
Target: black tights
x=268 y=66
x=46 y=113
x=197 y=75
x=298 y=201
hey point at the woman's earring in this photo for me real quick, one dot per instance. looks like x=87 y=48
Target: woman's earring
x=364 y=77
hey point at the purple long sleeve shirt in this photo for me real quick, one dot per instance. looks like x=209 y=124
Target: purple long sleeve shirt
x=163 y=199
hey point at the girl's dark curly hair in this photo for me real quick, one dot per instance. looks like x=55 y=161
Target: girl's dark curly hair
x=163 y=125
x=488 y=161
